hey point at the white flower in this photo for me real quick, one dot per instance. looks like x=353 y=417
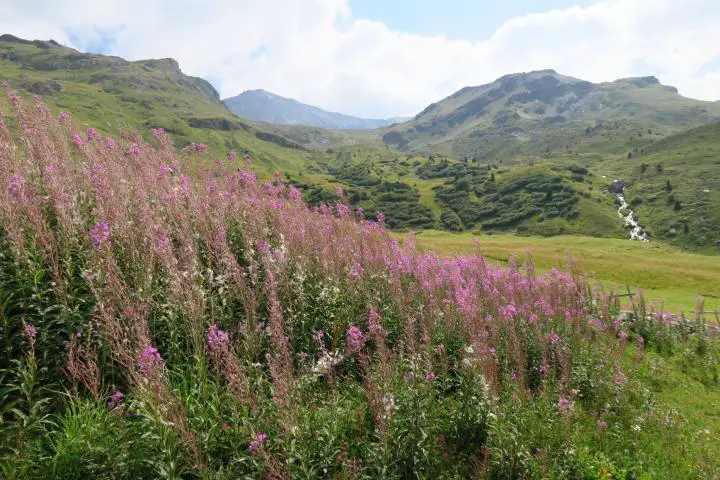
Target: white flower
x=328 y=362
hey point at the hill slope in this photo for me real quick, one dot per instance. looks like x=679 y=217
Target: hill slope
x=264 y=106
x=111 y=93
x=543 y=113
x=675 y=187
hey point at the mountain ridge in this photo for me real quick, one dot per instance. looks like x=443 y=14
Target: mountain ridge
x=263 y=106
x=541 y=112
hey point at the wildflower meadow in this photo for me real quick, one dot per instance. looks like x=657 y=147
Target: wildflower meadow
x=168 y=314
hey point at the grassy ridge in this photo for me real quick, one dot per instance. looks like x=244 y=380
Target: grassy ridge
x=111 y=94
x=666 y=275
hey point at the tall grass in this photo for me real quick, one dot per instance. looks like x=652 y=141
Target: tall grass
x=169 y=315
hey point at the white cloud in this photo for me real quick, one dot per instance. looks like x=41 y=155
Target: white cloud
x=315 y=51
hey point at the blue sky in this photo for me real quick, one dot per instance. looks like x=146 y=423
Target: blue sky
x=386 y=58
x=465 y=19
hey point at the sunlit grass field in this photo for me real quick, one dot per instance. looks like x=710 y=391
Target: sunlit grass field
x=667 y=276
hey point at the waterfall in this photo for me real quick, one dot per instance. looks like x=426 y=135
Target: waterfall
x=636 y=231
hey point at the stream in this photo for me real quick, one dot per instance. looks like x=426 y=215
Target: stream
x=636 y=231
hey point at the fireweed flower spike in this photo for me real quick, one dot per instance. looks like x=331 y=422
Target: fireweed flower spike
x=115 y=405
x=150 y=360
x=355 y=339
x=100 y=234
x=217 y=340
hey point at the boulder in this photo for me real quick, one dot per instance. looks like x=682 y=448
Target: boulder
x=617 y=186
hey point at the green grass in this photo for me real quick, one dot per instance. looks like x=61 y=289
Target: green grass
x=666 y=275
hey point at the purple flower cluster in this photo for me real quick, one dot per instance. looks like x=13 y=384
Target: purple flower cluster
x=217 y=340
x=150 y=360
x=196 y=147
x=14 y=99
x=30 y=333
x=254 y=447
x=16 y=185
x=232 y=156
x=356 y=271
x=157 y=133
x=115 y=405
x=355 y=338
x=100 y=234
x=162 y=242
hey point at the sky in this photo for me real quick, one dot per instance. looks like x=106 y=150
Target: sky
x=384 y=58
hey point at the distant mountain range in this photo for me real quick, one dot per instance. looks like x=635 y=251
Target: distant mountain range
x=263 y=106
x=544 y=112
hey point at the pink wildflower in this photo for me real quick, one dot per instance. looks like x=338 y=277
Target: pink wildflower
x=14 y=99
x=162 y=241
x=16 y=185
x=100 y=234
x=356 y=271
x=29 y=333
x=232 y=156
x=430 y=376
x=217 y=340
x=564 y=404
x=553 y=337
x=355 y=338
x=380 y=218
x=318 y=336
x=63 y=116
x=77 y=140
x=115 y=403
x=134 y=149
x=157 y=133
x=509 y=311
x=544 y=368
x=256 y=444
x=294 y=194
x=150 y=360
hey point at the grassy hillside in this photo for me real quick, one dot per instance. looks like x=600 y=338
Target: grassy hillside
x=674 y=186
x=667 y=276
x=544 y=113
x=111 y=94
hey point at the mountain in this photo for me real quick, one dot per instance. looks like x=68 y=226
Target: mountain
x=543 y=113
x=264 y=106
x=112 y=94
